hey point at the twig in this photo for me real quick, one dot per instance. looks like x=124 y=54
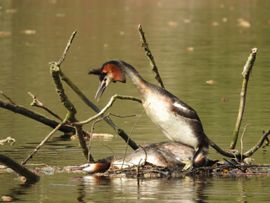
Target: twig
x=91 y=136
x=241 y=141
x=35 y=116
x=30 y=156
x=94 y=124
x=82 y=96
x=235 y=165
x=21 y=170
x=86 y=150
x=131 y=131
x=7 y=97
x=38 y=103
x=150 y=56
x=251 y=151
x=61 y=60
x=246 y=73
x=108 y=105
x=122 y=116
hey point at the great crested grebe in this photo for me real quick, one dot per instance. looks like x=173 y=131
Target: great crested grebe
x=178 y=121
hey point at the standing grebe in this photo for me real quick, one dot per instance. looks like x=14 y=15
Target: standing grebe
x=178 y=121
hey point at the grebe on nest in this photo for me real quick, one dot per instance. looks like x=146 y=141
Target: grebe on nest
x=178 y=121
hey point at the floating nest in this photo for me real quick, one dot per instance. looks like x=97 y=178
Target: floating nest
x=147 y=171
x=219 y=170
x=160 y=160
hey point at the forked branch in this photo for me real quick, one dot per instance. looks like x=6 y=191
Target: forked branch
x=37 y=103
x=55 y=72
x=30 y=156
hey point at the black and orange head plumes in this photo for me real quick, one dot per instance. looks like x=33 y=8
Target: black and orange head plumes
x=110 y=71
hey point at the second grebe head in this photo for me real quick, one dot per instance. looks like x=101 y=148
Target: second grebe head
x=111 y=71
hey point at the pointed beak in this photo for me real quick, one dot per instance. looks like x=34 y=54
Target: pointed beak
x=102 y=86
x=100 y=90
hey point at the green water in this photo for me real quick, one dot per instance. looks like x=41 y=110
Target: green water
x=192 y=41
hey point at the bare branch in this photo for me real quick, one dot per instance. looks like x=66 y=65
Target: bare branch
x=61 y=60
x=246 y=73
x=61 y=93
x=69 y=106
x=241 y=156
x=55 y=72
x=241 y=141
x=36 y=116
x=38 y=103
x=108 y=105
x=122 y=116
x=251 y=151
x=150 y=57
x=221 y=151
x=30 y=156
x=7 y=97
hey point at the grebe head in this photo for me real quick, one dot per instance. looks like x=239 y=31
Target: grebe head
x=111 y=71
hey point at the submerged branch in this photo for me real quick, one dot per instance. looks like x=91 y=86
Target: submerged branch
x=246 y=73
x=21 y=170
x=149 y=55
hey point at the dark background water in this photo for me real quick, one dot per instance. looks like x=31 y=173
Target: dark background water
x=192 y=41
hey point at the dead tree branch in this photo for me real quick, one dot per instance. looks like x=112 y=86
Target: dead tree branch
x=150 y=57
x=21 y=170
x=7 y=97
x=243 y=94
x=69 y=106
x=240 y=156
x=35 y=116
x=55 y=72
x=223 y=152
x=30 y=156
x=62 y=58
x=37 y=103
x=108 y=105
x=259 y=144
